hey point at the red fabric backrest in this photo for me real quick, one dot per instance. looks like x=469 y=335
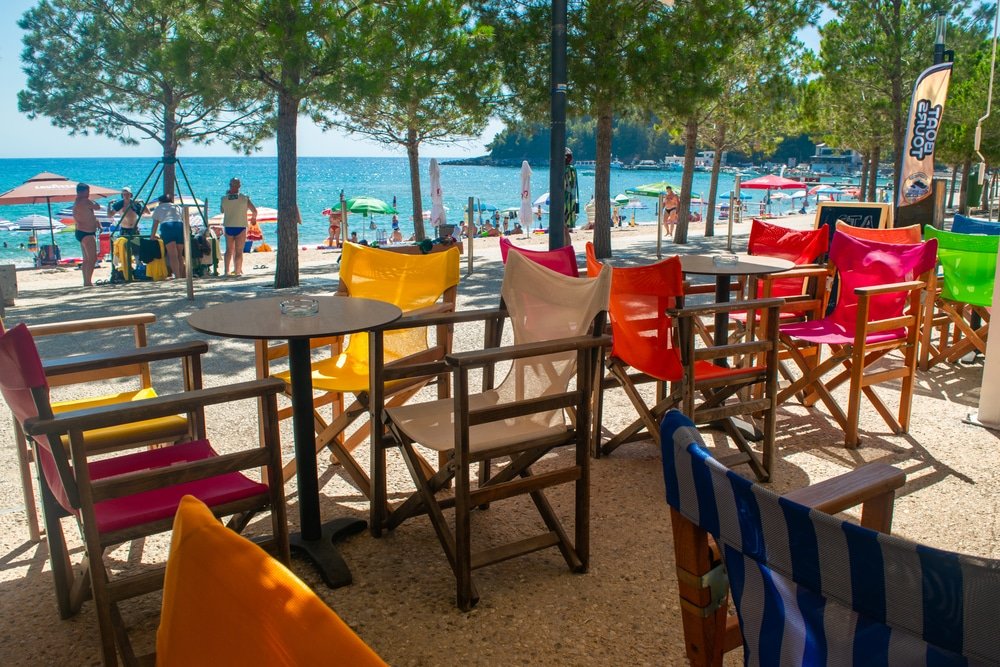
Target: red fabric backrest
x=796 y=245
x=21 y=372
x=642 y=334
x=562 y=260
x=863 y=263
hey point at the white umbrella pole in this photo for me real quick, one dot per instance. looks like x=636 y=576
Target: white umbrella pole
x=468 y=230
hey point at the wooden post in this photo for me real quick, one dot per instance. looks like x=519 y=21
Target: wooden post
x=468 y=229
x=659 y=226
x=188 y=269
x=343 y=220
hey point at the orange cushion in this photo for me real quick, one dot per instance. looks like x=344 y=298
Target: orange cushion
x=227 y=602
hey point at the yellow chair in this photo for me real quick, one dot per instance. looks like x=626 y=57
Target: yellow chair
x=227 y=602
x=418 y=285
x=150 y=431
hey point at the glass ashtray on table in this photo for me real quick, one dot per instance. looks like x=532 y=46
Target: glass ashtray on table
x=300 y=307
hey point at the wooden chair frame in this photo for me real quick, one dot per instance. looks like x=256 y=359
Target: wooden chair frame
x=709 y=630
x=515 y=478
x=140 y=371
x=857 y=358
x=763 y=344
x=84 y=493
x=330 y=432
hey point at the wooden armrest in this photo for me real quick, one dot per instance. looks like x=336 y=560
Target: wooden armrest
x=95 y=324
x=455 y=317
x=161 y=406
x=708 y=288
x=873 y=485
x=428 y=310
x=712 y=308
x=800 y=271
x=493 y=355
x=907 y=286
x=105 y=360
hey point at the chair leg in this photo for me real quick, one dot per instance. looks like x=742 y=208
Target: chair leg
x=62 y=570
x=27 y=488
x=854 y=398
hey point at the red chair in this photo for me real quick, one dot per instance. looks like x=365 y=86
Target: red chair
x=129 y=496
x=647 y=345
x=561 y=261
x=877 y=312
x=798 y=246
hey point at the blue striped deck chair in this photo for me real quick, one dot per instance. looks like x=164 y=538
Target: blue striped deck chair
x=963 y=224
x=808 y=587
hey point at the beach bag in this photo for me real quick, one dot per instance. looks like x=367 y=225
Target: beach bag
x=263 y=247
x=150 y=249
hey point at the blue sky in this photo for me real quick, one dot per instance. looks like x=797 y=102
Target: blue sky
x=38 y=138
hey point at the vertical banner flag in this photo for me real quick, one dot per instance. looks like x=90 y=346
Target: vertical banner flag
x=926 y=109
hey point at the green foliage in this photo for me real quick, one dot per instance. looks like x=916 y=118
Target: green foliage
x=429 y=76
x=121 y=69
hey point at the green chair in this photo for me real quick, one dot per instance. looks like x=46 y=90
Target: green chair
x=962 y=287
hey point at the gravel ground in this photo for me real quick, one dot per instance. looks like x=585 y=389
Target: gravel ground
x=533 y=610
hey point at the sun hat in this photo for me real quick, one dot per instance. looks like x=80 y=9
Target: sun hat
x=127 y=189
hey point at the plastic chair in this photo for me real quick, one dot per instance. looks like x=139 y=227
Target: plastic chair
x=557 y=324
x=810 y=588
x=125 y=497
x=417 y=284
x=227 y=602
x=647 y=346
x=170 y=428
x=968 y=269
x=909 y=235
x=878 y=311
x=963 y=224
x=562 y=260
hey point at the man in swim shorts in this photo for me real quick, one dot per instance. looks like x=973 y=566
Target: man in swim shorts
x=234 y=220
x=87 y=228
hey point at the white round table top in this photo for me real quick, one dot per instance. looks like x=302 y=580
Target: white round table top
x=262 y=318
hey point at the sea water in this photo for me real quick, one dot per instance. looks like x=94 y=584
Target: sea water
x=320 y=181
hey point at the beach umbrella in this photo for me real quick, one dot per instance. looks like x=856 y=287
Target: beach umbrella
x=437 y=204
x=621 y=199
x=650 y=189
x=727 y=195
x=634 y=205
x=525 y=209
x=482 y=207
x=778 y=196
x=365 y=205
x=798 y=194
x=36 y=221
x=772 y=182
x=264 y=214
x=541 y=201
x=48 y=187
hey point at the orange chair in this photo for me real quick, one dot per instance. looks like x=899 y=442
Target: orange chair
x=909 y=235
x=648 y=346
x=227 y=602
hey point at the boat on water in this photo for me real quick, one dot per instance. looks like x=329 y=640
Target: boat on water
x=646 y=165
x=8 y=226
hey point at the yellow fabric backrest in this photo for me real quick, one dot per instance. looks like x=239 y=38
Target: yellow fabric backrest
x=227 y=602
x=410 y=282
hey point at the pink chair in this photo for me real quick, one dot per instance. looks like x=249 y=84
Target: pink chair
x=561 y=261
x=126 y=497
x=878 y=311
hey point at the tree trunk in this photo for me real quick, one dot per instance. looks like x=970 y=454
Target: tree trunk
x=169 y=145
x=873 y=174
x=897 y=95
x=863 y=187
x=690 y=150
x=286 y=273
x=951 y=188
x=413 y=154
x=602 y=184
x=963 y=187
x=713 y=188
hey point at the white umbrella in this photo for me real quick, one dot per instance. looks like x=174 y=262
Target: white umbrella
x=35 y=221
x=779 y=196
x=542 y=201
x=437 y=205
x=525 y=213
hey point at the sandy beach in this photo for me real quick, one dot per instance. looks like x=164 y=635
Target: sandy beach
x=533 y=610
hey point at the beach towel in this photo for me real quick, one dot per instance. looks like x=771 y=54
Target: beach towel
x=157 y=268
x=150 y=249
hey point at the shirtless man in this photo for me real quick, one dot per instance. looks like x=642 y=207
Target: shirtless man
x=234 y=209
x=133 y=209
x=87 y=229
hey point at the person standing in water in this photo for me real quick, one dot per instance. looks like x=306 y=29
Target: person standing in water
x=234 y=210
x=87 y=228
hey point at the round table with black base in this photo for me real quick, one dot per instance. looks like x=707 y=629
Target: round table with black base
x=262 y=319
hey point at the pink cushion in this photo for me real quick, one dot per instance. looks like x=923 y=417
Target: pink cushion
x=828 y=332
x=148 y=506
